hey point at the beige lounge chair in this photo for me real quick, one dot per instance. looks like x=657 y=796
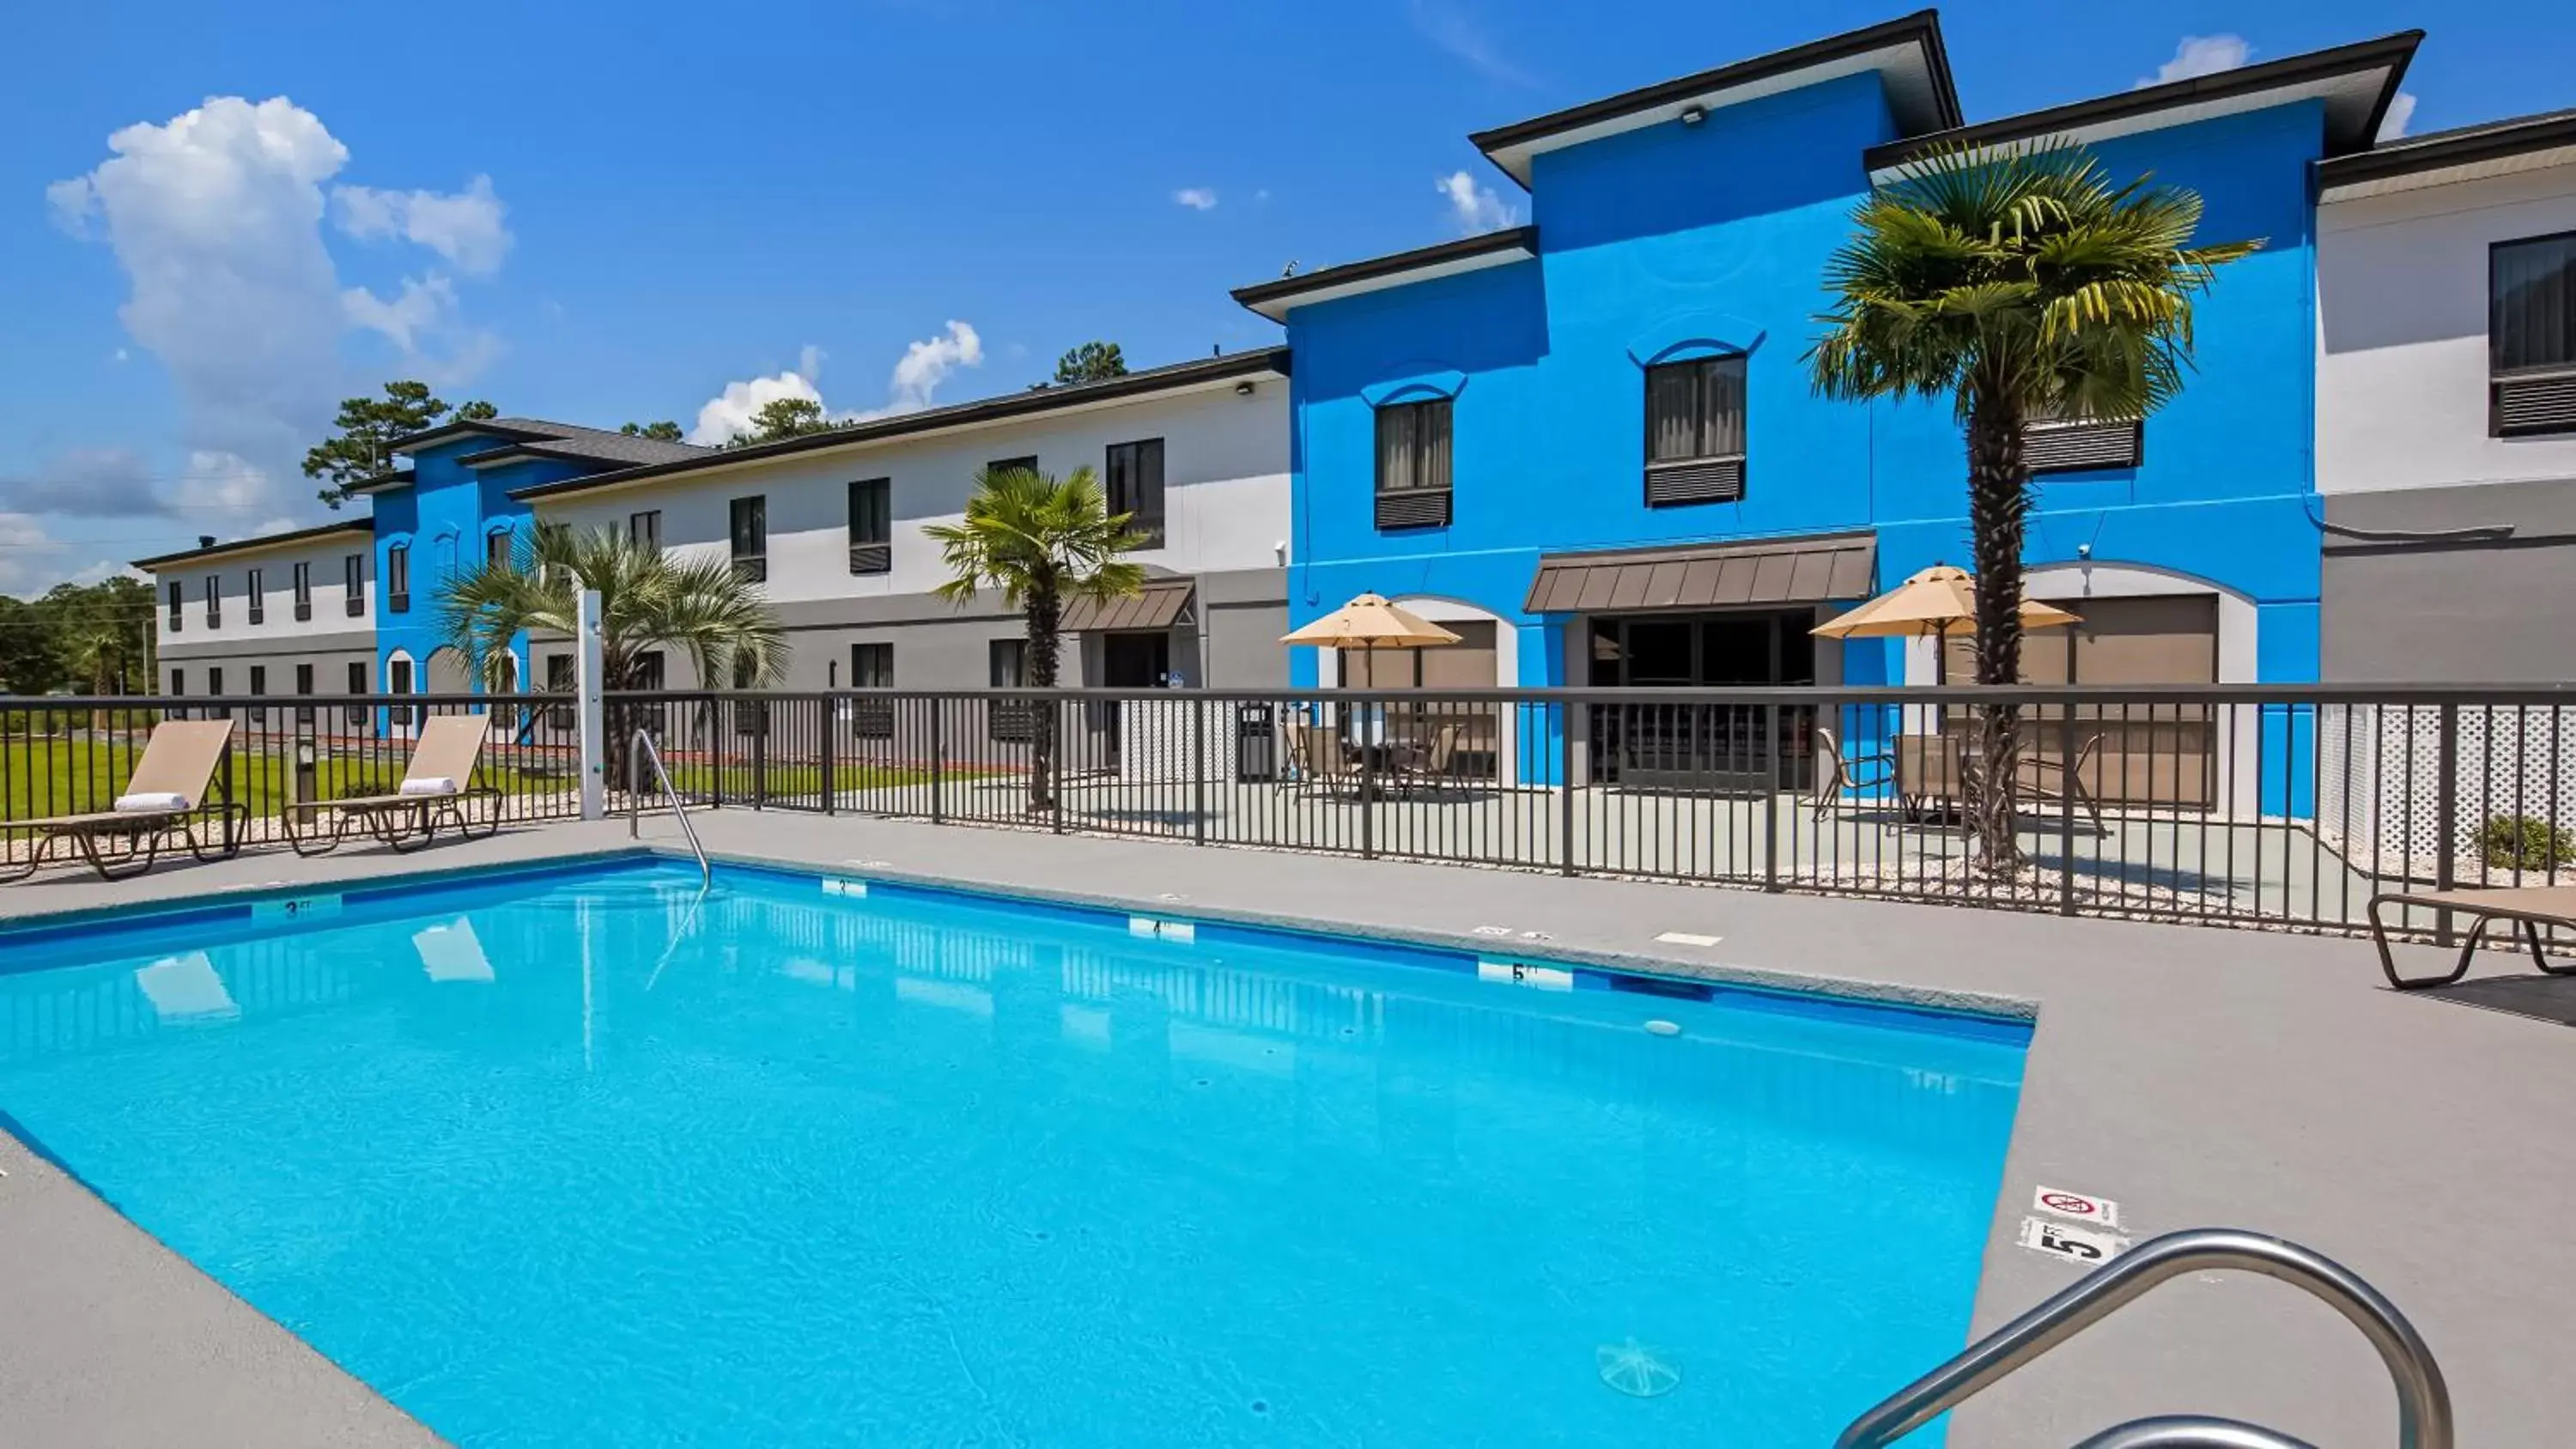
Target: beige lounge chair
x=177 y=767
x=2528 y=907
x=434 y=788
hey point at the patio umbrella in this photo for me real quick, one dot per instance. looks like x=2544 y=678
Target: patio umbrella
x=1370 y=622
x=1934 y=604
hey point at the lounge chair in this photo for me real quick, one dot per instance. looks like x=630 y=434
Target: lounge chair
x=1835 y=774
x=165 y=796
x=2528 y=907
x=434 y=789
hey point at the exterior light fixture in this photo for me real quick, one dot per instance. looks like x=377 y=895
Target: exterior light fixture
x=1693 y=115
x=1243 y=389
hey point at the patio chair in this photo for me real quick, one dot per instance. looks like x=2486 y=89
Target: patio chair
x=1321 y=760
x=1927 y=774
x=434 y=788
x=2526 y=907
x=2051 y=779
x=1835 y=774
x=165 y=796
x=1430 y=764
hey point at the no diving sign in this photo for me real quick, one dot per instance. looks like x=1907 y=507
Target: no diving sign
x=2076 y=1207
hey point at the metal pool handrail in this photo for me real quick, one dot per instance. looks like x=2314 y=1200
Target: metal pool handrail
x=2423 y=1400
x=2191 y=1431
x=645 y=754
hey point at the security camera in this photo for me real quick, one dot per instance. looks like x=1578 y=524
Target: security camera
x=2083 y=550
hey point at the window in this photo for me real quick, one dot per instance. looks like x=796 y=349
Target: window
x=353 y=580
x=215 y=681
x=303 y=592
x=258 y=687
x=398 y=681
x=647 y=669
x=178 y=683
x=1136 y=487
x=398 y=579
x=871 y=526
x=357 y=686
x=496 y=549
x=644 y=530
x=1010 y=719
x=1028 y=464
x=255 y=597
x=2531 y=336
x=1413 y=464
x=2051 y=443
x=751 y=538
x=304 y=688
x=214 y=601
x=177 y=597
x=750 y=716
x=872 y=667
x=1695 y=431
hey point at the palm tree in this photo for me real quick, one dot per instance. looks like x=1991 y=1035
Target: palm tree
x=1043 y=544
x=2022 y=284
x=648 y=601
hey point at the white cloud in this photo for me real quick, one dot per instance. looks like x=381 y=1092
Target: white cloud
x=466 y=227
x=916 y=378
x=729 y=413
x=1454 y=32
x=1474 y=208
x=2401 y=112
x=925 y=365
x=2199 y=55
x=32 y=560
x=1196 y=198
x=113 y=482
x=216 y=217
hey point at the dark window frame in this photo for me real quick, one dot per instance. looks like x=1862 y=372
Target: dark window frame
x=357 y=687
x=1417 y=504
x=353 y=582
x=497 y=547
x=2532 y=399
x=1138 y=486
x=214 y=601
x=872 y=719
x=747 y=535
x=176 y=591
x=2082 y=445
x=1009 y=719
x=644 y=529
x=398 y=578
x=255 y=597
x=303 y=581
x=1026 y=463
x=871 y=510
x=1712 y=468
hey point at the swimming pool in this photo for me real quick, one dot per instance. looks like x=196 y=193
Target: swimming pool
x=583 y=1157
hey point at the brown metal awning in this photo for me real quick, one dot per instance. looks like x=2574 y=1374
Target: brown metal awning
x=1159 y=605
x=1764 y=571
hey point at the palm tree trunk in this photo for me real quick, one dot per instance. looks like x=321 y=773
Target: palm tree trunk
x=1998 y=521
x=1044 y=612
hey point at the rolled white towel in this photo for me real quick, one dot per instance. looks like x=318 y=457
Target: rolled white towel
x=427 y=785
x=152 y=802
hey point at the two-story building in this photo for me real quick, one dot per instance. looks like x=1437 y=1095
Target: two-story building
x=831 y=525
x=291 y=614
x=1590 y=445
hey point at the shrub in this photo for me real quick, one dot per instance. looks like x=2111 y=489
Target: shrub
x=2525 y=842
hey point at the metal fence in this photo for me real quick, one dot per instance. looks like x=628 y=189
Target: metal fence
x=72 y=756
x=2242 y=804
x=2247 y=804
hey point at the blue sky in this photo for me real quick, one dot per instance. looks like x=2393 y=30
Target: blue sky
x=603 y=213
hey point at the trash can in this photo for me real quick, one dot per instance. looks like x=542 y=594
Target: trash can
x=1256 y=743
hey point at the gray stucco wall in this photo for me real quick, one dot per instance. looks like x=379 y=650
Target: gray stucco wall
x=2496 y=610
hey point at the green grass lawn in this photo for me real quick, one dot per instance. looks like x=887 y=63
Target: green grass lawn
x=738 y=781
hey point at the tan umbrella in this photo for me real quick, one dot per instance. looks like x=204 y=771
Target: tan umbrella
x=1370 y=622
x=1934 y=604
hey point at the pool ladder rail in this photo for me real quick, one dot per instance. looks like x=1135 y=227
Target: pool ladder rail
x=2423 y=1400
x=645 y=754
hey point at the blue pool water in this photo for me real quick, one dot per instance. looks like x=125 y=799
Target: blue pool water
x=584 y=1159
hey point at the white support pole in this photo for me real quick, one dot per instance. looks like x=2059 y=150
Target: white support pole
x=594 y=731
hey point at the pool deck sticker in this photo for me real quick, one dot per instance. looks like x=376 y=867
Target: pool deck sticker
x=836 y=886
x=1155 y=928
x=2076 y=1207
x=2077 y=1245
x=1514 y=973
x=1688 y=938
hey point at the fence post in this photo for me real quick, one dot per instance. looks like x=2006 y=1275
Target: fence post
x=1771 y=800
x=1198 y=769
x=711 y=711
x=1368 y=787
x=831 y=744
x=938 y=757
x=1564 y=787
x=2446 y=814
x=2067 y=785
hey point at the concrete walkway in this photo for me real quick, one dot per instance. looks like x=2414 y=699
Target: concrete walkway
x=2201 y=1077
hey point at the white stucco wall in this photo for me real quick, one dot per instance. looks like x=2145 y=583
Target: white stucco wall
x=2402 y=327
x=1225 y=481
x=278 y=625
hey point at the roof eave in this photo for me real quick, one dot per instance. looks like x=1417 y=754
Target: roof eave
x=2440 y=153
x=1275 y=300
x=253 y=545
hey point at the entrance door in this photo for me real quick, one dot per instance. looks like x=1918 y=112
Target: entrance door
x=1138 y=660
x=1702 y=746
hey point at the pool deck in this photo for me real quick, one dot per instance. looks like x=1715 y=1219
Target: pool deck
x=2201 y=1077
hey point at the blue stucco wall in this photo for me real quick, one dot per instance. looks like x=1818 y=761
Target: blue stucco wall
x=1677 y=241
x=444 y=516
